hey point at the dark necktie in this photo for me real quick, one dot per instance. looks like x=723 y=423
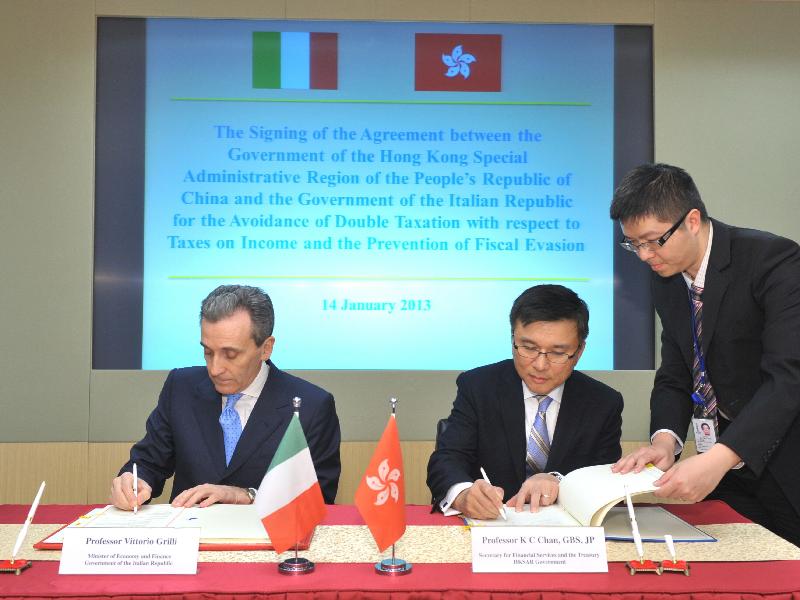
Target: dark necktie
x=702 y=385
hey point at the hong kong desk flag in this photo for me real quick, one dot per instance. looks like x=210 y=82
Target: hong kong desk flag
x=381 y=498
x=450 y=62
x=289 y=500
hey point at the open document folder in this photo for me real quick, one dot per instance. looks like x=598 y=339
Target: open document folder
x=222 y=526
x=586 y=498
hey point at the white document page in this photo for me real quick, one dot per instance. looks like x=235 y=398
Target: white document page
x=654 y=522
x=591 y=491
x=149 y=515
x=218 y=523
x=546 y=516
x=225 y=523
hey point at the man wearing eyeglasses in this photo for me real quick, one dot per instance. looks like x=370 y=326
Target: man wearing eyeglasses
x=729 y=303
x=528 y=419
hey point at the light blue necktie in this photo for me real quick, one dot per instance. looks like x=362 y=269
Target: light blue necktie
x=538 y=440
x=231 y=426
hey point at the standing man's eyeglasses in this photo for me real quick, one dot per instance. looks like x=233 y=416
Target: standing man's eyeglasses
x=653 y=245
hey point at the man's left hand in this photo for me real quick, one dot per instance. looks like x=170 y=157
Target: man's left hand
x=538 y=490
x=208 y=494
x=696 y=477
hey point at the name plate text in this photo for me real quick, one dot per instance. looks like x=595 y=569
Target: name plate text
x=129 y=551
x=538 y=550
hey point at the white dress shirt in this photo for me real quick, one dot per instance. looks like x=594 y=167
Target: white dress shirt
x=244 y=406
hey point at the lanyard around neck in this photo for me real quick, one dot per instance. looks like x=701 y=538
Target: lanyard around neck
x=698 y=352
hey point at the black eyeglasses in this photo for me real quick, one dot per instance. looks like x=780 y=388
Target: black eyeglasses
x=532 y=353
x=653 y=245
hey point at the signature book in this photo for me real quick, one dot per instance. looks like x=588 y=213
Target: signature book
x=588 y=497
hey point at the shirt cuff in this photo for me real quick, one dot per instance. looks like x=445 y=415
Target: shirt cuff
x=451 y=496
x=679 y=449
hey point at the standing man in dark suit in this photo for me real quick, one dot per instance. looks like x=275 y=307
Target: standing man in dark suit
x=526 y=420
x=729 y=303
x=216 y=428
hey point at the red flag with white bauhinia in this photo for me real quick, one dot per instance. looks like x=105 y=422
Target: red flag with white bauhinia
x=457 y=62
x=380 y=497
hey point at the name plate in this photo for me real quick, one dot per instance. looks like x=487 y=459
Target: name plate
x=130 y=551
x=538 y=550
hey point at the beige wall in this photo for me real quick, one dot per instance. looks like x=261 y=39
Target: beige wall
x=80 y=472
x=726 y=88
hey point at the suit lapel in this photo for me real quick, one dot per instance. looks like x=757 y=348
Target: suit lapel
x=267 y=420
x=208 y=408
x=717 y=280
x=512 y=410
x=569 y=419
x=682 y=314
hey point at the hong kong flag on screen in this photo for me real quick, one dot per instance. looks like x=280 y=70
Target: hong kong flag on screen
x=451 y=62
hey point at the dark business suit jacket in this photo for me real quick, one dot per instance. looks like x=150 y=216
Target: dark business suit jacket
x=486 y=428
x=184 y=436
x=751 y=344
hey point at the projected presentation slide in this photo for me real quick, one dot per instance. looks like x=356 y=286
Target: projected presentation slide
x=392 y=186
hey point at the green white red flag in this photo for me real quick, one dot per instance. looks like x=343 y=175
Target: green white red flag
x=289 y=500
x=299 y=60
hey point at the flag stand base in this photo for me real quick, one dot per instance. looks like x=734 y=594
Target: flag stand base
x=643 y=566
x=393 y=566
x=677 y=566
x=16 y=567
x=295 y=566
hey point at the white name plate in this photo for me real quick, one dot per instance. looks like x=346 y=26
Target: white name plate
x=130 y=551
x=539 y=550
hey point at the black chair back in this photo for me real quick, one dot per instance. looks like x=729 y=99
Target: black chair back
x=441 y=425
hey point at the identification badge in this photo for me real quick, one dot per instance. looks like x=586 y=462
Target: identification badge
x=704 y=436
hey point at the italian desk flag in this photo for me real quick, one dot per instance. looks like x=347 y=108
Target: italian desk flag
x=296 y=60
x=289 y=500
x=380 y=497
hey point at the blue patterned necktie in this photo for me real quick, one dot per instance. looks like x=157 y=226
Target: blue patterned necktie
x=231 y=426
x=702 y=385
x=538 y=440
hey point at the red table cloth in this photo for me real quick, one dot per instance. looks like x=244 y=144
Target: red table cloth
x=343 y=581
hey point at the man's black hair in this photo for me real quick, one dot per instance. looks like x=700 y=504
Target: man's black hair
x=550 y=303
x=656 y=190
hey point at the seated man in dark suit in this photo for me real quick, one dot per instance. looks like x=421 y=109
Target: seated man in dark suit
x=526 y=420
x=216 y=428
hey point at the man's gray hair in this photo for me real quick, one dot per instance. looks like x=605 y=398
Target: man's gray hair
x=228 y=299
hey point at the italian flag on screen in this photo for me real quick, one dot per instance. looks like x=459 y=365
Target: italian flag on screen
x=298 y=60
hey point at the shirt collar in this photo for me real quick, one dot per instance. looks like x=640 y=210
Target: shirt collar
x=554 y=394
x=700 y=279
x=257 y=385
